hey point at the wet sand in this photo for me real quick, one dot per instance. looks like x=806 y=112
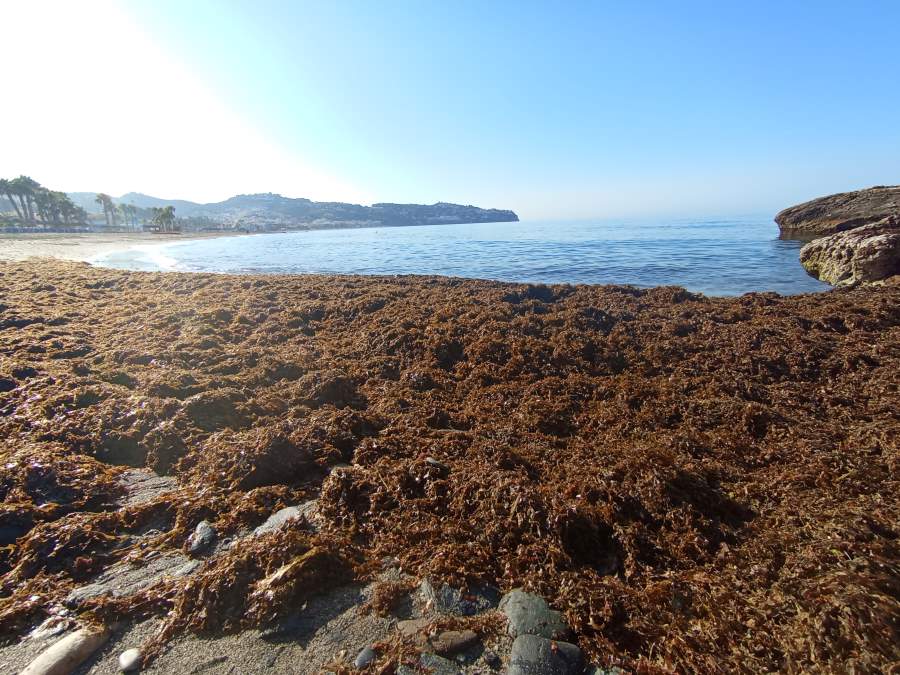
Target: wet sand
x=88 y=246
x=700 y=484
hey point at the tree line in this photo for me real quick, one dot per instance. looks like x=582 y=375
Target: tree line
x=33 y=203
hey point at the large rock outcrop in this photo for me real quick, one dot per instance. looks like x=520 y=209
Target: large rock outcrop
x=862 y=255
x=840 y=212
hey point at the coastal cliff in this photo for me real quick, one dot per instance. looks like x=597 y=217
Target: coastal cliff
x=839 y=212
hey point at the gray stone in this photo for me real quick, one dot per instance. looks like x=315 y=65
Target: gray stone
x=529 y=614
x=123 y=579
x=129 y=660
x=305 y=510
x=438 y=665
x=535 y=655
x=142 y=486
x=203 y=536
x=449 y=600
x=364 y=658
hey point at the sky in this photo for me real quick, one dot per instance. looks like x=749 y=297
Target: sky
x=557 y=110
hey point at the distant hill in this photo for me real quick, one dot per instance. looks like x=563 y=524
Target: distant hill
x=272 y=211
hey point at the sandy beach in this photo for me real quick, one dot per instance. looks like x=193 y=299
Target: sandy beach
x=87 y=246
x=697 y=484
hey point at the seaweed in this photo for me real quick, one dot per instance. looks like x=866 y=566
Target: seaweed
x=700 y=484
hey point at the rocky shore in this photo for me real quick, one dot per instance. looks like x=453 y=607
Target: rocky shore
x=860 y=236
x=837 y=213
x=867 y=254
x=213 y=473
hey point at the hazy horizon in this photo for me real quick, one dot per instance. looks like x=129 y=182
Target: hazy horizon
x=683 y=110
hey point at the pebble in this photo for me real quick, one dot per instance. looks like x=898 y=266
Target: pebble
x=535 y=655
x=529 y=614
x=452 y=641
x=202 y=538
x=129 y=660
x=492 y=659
x=431 y=461
x=364 y=658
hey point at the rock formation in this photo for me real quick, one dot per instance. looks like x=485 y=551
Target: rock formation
x=836 y=213
x=862 y=255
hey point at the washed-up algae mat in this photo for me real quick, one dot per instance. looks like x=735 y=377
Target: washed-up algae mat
x=700 y=484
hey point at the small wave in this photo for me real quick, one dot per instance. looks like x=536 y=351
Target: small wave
x=142 y=257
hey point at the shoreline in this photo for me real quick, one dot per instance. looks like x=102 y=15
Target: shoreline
x=725 y=277
x=88 y=246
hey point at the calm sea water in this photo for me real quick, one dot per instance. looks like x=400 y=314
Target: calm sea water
x=716 y=257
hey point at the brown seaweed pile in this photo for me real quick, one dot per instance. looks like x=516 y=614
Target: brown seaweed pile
x=701 y=484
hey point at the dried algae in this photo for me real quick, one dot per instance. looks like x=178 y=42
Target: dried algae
x=701 y=484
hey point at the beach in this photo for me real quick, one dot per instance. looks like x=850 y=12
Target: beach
x=696 y=484
x=87 y=246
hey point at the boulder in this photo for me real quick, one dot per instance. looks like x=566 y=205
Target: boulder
x=840 y=212
x=529 y=614
x=862 y=255
x=534 y=655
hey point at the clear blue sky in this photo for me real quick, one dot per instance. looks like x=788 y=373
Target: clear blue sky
x=553 y=109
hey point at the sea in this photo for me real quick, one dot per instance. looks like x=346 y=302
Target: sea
x=721 y=257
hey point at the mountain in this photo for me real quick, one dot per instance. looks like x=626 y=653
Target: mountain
x=272 y=211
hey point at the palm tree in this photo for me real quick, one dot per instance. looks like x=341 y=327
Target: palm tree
x=67 y=210
x=41 y=198
x=106 y=202
x=164 y=218
x=8 y=189
x=25 y=188
x=61 y=207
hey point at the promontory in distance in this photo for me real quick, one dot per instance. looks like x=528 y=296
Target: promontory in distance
x=268 y=211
